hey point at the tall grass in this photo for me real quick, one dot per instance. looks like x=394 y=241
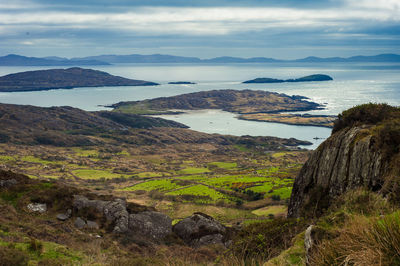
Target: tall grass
x=363 y=241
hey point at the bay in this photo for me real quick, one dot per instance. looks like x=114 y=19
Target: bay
x=353 y=84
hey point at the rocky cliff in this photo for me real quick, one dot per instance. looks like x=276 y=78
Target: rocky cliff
x=363 y=151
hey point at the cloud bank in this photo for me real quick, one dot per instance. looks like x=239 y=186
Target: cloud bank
x=245 y=28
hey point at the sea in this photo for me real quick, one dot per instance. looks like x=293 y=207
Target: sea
x=352 y=84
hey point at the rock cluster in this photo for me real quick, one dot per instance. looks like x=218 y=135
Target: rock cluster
x=196 y=230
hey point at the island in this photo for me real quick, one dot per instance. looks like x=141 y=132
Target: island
x=293 y=119
x=181 y=82
x=253 y=105
x=315 y=77
x=64 y=79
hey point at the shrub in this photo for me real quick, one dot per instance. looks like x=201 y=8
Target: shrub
x=276 y=197
x=362 y=241
x=35 y=246
x=365 y=114
x=266 y=239
x=12 y=256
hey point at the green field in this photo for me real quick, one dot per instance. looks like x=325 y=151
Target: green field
x=95 y=174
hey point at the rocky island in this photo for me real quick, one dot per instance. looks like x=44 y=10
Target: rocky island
x=250 y=105
x=181 y=82
x=64 y=79
x=315 y=77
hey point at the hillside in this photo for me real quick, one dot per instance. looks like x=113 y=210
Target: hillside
x=310 y=78
x=63 y=79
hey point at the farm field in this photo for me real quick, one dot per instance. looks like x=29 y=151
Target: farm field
x=235 y=185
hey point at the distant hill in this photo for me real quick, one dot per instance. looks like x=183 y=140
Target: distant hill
x=18 y=60
x=159 y=58
x=137 y=58
x=315 y=77
x=64 y=79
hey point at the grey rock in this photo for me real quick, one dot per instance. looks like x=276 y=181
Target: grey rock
x=200 y=229
x=308 y=243
x=115 y=211
x=37 y=207
x=8 y=182
x=62 y=217
x=92 y=225
x=79 y=223
x=151 y=224
x=345 y=161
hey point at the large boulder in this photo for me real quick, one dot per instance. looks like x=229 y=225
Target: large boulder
x=115 y=211
x=200 y=229
x=150 y=224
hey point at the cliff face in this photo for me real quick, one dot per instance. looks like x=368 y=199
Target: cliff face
x=347 y=160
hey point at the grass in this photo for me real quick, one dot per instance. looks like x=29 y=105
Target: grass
x=33 y=159
x=224 y=165
x=85 y=152
x=6 y=158
x=95 y=174
x=151 y=174
x=160 y=185
x=208 y=194
x=193 y=170
x=274 y=210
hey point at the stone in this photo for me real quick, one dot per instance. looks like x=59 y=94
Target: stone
x=79 y=223
x=37 y=207
x=62 y=217
x=308 y=243
x=92 y=225
x=200 y=229
x=150 y=224
x=8 y=182
x=114 y=211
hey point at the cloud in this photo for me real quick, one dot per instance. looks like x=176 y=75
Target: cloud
x=220 y=23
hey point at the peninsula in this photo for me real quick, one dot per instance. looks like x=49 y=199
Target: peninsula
x=253 y=105
x=64 y=79
x=315 y=77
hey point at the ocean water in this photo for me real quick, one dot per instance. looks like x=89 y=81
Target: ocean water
x=353 y=84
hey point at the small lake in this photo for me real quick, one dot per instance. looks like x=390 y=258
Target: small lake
x=353 y=84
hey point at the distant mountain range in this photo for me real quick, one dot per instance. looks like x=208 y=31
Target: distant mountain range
x=18 y=60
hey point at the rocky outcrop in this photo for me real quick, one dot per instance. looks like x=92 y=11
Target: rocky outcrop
x=114 y=211
x=8 y=183
x=346 y=160
x=150 y=223
x=199 y=230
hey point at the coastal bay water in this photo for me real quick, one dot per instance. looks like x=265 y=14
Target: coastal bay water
x=353 y=84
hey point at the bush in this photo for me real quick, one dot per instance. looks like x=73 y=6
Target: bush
x=365 y=114
x=266 y=239
x=362 y=242
x=35 y=246
x=12 y=256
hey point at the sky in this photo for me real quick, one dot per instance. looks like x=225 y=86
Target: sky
x=284 y=29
